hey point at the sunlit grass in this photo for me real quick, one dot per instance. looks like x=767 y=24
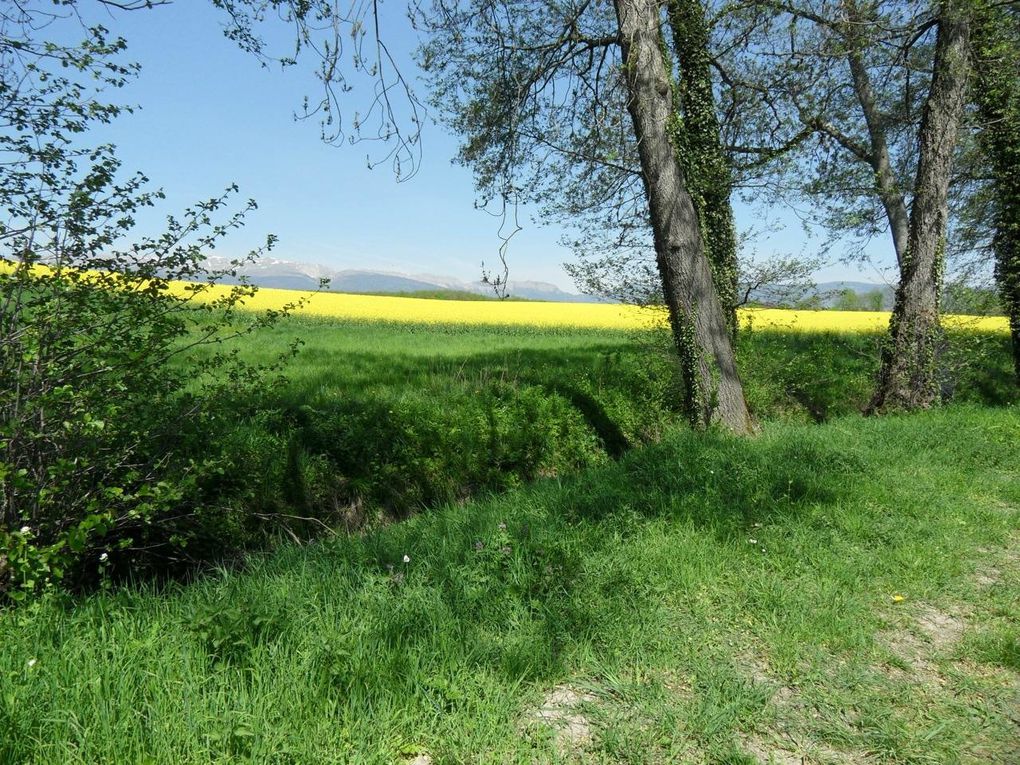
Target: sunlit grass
x=713 y=596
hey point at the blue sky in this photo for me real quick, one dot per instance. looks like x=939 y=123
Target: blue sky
x=210 y=116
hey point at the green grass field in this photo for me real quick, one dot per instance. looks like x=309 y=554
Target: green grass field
x=588 y=581
x=398 y=418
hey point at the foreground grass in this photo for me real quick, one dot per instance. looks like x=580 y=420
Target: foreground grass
x=840 y=593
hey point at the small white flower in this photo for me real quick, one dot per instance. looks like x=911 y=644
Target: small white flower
x=407 y=559
x=26 y=530
x=103 y=558
x=752 y=541
x=31 y=663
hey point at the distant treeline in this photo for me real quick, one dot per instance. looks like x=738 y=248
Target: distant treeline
x=444 y=295
x=956 y=299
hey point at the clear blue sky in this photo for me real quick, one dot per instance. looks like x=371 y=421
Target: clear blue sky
x=211 y=116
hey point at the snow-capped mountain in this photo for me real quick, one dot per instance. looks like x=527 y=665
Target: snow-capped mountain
x=285 y=274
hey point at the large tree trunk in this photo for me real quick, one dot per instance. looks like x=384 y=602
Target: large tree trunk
x=696 y=314
x=907 y=379
x=700 y=151
x=997 y=92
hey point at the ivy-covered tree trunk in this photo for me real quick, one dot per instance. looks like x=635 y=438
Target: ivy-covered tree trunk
x=698 y=318
x=997 y=92
x=907 y=378
x=700 y=151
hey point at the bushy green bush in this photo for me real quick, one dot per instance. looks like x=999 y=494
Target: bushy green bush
x=104 y=444
x=104 y=441
x=399 y=456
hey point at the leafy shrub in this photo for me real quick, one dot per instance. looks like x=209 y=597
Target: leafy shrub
x=103 y=440
x=230 y=631
x=406 y=454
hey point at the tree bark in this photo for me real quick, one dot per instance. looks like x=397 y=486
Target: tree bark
x=715 y=394
x=700 y=151
x=907 y=378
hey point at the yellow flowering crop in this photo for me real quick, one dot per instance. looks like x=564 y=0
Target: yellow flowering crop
x=581 y=315
x=854 y=321
x=539 y=314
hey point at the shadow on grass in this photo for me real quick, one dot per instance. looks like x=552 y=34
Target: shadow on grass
x=612 y=437
x=464 y=613
x=512 y=578
x=404 y=433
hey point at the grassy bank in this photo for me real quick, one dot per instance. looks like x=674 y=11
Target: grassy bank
x=396 y=418
x=376 y=421
x=843 y=593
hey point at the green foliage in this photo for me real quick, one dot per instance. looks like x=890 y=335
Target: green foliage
x=807 y=376
x=851 y=300
x=418 y=416
x=103 y=441
x=815 y=376
x=231 y=629
x=997 y=92
x=968 y=300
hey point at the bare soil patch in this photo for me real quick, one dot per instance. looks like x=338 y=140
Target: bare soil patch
x=942 y=629
x=792 y=750
x=1003 y=562
x=561 y=711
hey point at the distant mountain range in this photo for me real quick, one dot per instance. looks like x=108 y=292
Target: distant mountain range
x=290 y=275
x=285 y=274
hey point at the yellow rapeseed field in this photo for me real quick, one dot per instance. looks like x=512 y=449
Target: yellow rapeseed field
x=538 y=314
x=582 y=315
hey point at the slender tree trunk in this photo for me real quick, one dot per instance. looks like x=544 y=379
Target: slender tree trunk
x=696 y=314
x=700 y=152
x=886 y=186
x=997 y=92
x=885 y=179
x=907 y=379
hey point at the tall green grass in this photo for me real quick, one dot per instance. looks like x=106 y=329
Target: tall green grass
x=704 y=591
x=382 y=419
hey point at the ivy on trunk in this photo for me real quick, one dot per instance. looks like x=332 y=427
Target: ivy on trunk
x=997 y=93
x=907 y=378
x=696 y=313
